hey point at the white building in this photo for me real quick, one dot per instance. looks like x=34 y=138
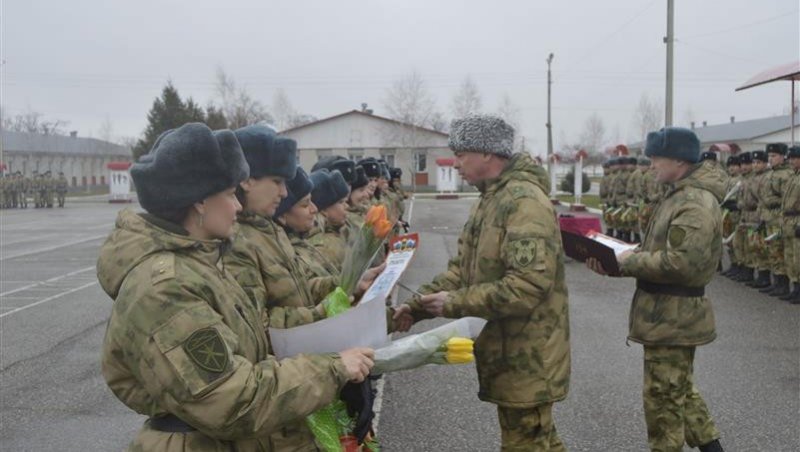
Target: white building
x=358 y=134
x=82 y=160
x=743 y=136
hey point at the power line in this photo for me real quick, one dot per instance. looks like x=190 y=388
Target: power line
x=750 y=24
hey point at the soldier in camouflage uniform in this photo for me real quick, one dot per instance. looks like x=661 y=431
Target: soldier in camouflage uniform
x=607 y=194
x=26 y=188
x=670 y=314
x=758 y=245
x=184 y=344
x=297 y=214
x=771 y=197
x=731 y=215
x=651 y=194
x=61 y=186
x=632 y=193
x=263 y=259
x=510 y=271
x=622 y=218
x=330 y=196
x=790 y=208
x=359 y=199
x=747 y=207
x=48 y=189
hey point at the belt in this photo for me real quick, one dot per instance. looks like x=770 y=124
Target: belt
x=791 y=213
x=170 y=424
x=774 y=206
x=670 y=289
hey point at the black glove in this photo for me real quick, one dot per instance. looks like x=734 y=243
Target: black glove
x=359 y=399
x=797 y=231
x=405 y=224
x=730 y=205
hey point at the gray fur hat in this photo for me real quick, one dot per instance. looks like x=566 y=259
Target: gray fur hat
x=187 y=165
x=267 y=153
x=482 y=133
x=329 y=188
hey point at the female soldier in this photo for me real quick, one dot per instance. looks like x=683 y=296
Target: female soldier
x=330 y=195
x=263 y=259
x=297 y=215
x=184 y=344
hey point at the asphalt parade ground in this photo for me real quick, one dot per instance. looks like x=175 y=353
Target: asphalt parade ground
x=53 y=315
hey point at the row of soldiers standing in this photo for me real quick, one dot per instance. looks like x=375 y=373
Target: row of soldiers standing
x=762 y=220
x=761 y=212
x=629 y=193
x=44 y=188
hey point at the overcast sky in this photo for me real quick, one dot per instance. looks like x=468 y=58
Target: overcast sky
x=86 y=60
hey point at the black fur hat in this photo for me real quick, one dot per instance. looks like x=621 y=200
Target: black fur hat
x=777 y=148
x=329 y=188
x=708 y=155
x=297 y=188
x=345 y=166
x=266 y=153
x=760 y=156
x=187 y=165
x=371 y=167
x=360 y=179
x=745 y=158
x=396 y=173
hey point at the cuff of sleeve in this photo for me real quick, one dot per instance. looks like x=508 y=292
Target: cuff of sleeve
x=452 y=308
x=339 y=370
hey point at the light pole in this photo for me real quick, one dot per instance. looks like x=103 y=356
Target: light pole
x=549 y=124
x=670 y=41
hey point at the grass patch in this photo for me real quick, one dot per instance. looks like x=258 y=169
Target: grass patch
x=587 y=200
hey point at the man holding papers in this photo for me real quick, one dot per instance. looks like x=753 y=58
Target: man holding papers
x=509 y=271
x=670 y=314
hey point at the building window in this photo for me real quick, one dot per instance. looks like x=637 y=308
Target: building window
x=74 y=181
x=322 y=153
x=102 y=180
x=83 y=181
x=421 y=162
x=355 y=154
x=388 y=155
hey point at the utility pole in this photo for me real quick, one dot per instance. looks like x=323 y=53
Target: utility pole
x=670 y=41
x=550 y=168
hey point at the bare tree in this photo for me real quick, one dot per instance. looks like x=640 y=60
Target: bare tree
x=282 y=109
x=648 y=116
x=593 y=135
x=239 y=107
x=34 y=122
x=688 y=117
x=106 y=131
x=467 y=99
x=510 y=112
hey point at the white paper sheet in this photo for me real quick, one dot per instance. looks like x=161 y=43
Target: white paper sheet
x=396 y=264
x=361 y=326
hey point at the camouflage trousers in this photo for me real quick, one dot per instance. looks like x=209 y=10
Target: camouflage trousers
x=740 y=247
x=528 y=429
x=673 y=408
x=791 y=250
x=757 y=252
x=775 y=250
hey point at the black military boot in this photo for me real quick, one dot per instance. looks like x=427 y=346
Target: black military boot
x=746 y=275
x=713 y=446
x=794 y=293
x=610 y=232
x=732 y=271
x=781 y=287
x=772 y=286
x=762 y=281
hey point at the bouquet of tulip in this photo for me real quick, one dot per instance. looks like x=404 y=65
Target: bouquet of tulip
x=367 y=242
x=431 y=347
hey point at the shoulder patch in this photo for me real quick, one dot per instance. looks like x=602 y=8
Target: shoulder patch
x=206 y=349
x=163 y=268
x=676 y=236
x=523 y=252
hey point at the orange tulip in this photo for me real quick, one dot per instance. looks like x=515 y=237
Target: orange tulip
x=375 y=214
x=382 y=228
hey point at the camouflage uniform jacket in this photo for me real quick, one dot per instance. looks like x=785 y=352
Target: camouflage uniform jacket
x=747 y=201
x=682 y=247
x=604 y=189
x=332 y=244
x=633 y=188
x=314 y=263
x=510 y=271
x=264 y=263
x=621 y=187
x=771 y=193
x=184 y=339
x=791 y=202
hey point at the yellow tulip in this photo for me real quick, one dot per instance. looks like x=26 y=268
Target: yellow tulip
x=459 y=357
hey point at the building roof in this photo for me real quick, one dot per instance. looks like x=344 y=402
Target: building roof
x=35 y=143
x=359 y=112
x=741 y=130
